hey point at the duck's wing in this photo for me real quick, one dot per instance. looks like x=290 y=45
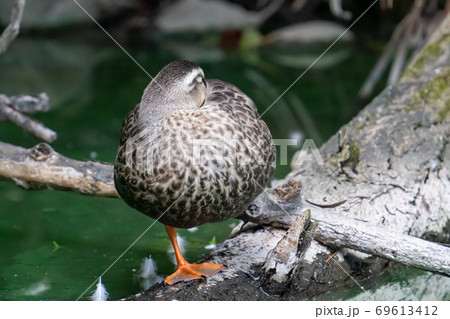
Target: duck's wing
x=238 y=105
x=229 y=97
x=242 y=110
x=129 y=126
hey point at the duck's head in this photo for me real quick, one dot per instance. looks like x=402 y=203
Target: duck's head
x=180 y=85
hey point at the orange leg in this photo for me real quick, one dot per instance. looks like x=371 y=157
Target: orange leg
x=186 y=271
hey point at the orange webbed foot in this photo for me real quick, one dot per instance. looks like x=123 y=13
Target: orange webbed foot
x=192 y=271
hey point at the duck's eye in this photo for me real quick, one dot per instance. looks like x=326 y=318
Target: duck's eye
x=196 y=81
x=199 y=79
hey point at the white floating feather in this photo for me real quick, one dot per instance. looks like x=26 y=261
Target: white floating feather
x=148 y=268
x=37 y=288
x=100 y=293
x=210 y=246
x=148 y=273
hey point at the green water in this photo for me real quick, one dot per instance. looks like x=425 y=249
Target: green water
x=55 y=244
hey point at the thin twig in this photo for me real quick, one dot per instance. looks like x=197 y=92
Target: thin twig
x=12 y=30
x=23 y=121
x=401 y=41
x=398 y=63
x=382 y=62
x=29 y=104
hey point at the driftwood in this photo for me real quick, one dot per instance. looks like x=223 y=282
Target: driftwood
x=384 y=184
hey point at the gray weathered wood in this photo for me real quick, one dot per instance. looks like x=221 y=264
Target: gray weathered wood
x=338 y=231
x=27 y=103
x=7 y=111
x=42 y=168
x=12 y=30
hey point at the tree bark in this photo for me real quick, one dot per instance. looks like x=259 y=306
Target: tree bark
x=41 y=167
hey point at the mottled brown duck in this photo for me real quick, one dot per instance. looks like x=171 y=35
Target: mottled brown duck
x=193 y=151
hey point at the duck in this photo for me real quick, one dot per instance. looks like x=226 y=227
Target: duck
x=192 y=151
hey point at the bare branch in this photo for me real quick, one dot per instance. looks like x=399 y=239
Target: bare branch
x=12 y=30
x=29 y=103
x=409 y=35
x=339 y=231
x=41 y=167
x=7 y=111
x=337 y=11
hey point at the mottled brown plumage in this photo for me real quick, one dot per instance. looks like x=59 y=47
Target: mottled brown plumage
x=157 y=172
x=193 y=151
